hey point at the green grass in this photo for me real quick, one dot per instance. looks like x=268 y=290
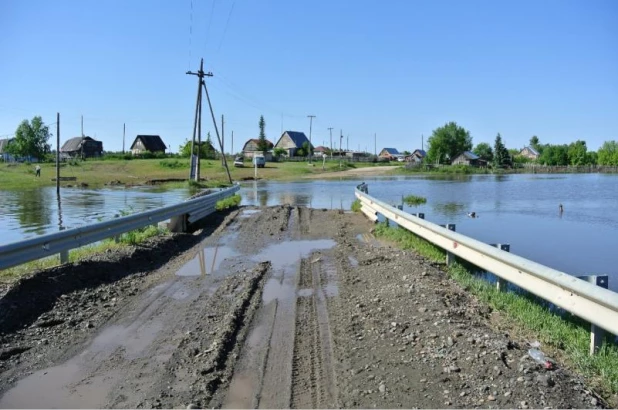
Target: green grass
x=356 y=205
x=413 y=200
x=568 y=335
x=130 y=238
x=229 y=202
x=97 y=173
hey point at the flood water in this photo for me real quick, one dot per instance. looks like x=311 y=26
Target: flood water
x=520 y=210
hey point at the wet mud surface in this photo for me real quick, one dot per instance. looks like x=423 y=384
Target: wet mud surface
x=279 y=307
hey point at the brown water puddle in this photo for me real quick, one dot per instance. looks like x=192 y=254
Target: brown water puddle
x=207 y=261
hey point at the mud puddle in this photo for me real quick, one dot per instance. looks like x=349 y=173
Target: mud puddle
x=207 y=261
x=285 y=258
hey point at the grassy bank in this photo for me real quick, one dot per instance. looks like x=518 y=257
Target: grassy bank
x=97 y=173
x=567 y=337
x=130 y=238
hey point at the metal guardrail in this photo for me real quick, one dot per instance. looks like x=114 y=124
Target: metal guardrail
x=47 y=245
x=594 y=304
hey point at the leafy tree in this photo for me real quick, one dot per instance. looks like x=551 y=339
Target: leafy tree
x=591 y=158
x=307 y=148
x=30 y=139
x=206 y=150
x=502 y=158
x=577 y=153
x=447 y=142
x=406 y=153
x=300 y=152
x=608 y=153
x=534 y=143
x=555 y=155
x=279 y=152
x=262 y=145
x=484 y=151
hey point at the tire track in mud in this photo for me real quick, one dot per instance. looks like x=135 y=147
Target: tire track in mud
x=313 y=377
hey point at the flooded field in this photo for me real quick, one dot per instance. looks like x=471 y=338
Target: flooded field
x=519 y=210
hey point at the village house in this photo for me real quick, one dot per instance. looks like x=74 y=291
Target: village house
x=529 y=152
x=250 y=149
x=320 y=151
x=390 y=153
x=292 y=141
x=417 y=156
x=82 y=147
x=467 y=158
x=147 y=143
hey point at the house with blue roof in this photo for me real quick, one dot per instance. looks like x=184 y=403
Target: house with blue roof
x=390 y=153
x=292 y=141
x=417 y=156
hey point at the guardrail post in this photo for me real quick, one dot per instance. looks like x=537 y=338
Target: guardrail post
x=178 y=223
x=596 y=333
x=450 y=258
x=501 y=283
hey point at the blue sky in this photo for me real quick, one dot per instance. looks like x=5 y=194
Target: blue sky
x=396 y=68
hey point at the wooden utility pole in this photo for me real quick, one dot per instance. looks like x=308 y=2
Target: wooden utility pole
x=124 y=129
x=199 y=135
x=82 y=126
x=198 y=101
x=340 y=139
x=331 y=142
x=311 y=117
x=232 y=142
x=222 y=140
x=58 y=154
x=201 y=83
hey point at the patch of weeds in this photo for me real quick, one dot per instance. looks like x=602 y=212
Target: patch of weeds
x=356 y=205
x=229 y=202
x=413 y=200
x=174 y=164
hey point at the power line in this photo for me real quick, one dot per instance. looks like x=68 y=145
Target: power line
x=212 y=11
x=226 y=24
x=190 y=32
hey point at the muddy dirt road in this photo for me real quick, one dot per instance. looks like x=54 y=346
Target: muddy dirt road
x=267 y=308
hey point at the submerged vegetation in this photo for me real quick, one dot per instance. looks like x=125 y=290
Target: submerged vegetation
x=413 y=200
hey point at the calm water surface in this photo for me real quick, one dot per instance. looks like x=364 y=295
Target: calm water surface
x=521 y=210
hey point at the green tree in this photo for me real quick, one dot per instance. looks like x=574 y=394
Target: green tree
x=206 y=150
x=591 y=158
x=484 y=151
x=502 y=158
x=307 y=148
x=447 y=142
x=30 y=139
x=608 y=153
x=554 y=155
x=577 y=153
x=262 y=145
x=534 y=143
x=406 y=153
x=280 y=151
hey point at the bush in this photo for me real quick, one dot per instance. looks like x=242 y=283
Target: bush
x=230 y=202
x=356 y=205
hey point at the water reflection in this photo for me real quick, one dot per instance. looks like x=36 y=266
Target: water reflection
x=35 y=210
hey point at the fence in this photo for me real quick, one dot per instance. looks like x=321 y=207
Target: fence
x=61 y=242
x=592 y=303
